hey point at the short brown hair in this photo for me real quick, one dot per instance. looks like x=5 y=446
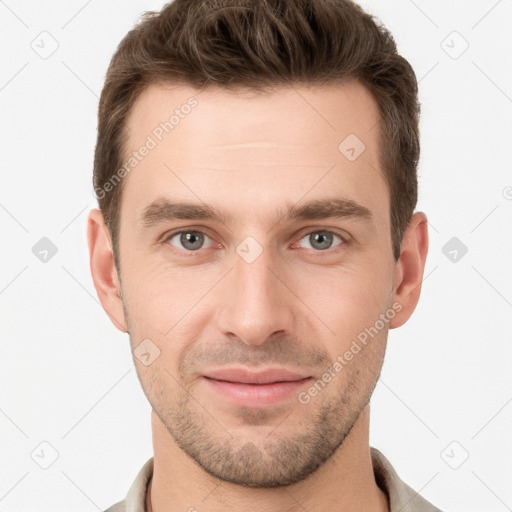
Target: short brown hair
x=262 y=44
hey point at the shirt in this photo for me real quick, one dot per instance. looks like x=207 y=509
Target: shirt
x=401 y=497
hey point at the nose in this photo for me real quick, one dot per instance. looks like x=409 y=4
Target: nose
x=255 y=302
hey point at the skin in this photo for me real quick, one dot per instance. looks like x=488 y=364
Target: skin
x=295 y=306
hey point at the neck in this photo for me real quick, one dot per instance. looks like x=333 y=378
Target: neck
x=344 y=482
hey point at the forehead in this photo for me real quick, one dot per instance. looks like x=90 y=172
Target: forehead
x=318 y=115
x=204 y=145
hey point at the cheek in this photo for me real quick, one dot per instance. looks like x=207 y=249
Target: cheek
x=162 y=299
x=146 y=297
x=347 y=298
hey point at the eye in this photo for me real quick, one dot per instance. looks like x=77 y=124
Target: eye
x=188 y=240
x=321 y=240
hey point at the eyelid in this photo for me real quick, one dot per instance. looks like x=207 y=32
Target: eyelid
x=166 y=237
x=345 y=238
x=186 y=229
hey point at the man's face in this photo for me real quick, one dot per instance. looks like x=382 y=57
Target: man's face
x=258 y=289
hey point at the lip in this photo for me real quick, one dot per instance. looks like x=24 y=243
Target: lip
x=244 y=376
x=254 y=390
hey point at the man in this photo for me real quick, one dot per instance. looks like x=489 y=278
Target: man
x=256 y=238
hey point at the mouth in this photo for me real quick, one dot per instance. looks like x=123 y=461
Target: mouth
x=255 y=389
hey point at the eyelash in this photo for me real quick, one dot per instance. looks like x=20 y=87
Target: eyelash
x=345 y=241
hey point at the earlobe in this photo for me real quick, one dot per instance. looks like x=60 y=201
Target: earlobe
x=103 y=270
x=409 y=268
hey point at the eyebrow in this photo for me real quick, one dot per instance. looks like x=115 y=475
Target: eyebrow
x=162 y=210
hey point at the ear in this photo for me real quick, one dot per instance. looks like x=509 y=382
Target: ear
x=103 y=269
x=409 y=268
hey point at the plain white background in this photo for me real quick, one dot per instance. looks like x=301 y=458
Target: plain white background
x=442 y=410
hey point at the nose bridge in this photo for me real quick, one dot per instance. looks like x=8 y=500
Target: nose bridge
x=255 y=303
